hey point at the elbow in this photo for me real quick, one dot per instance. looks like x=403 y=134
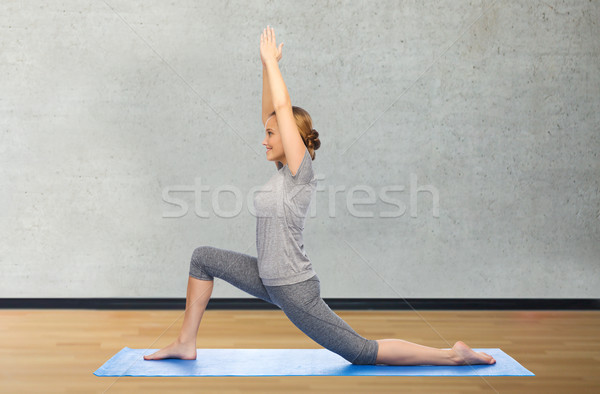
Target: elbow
x=282 y=104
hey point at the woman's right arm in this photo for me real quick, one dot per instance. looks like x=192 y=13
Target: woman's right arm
x=267 y=100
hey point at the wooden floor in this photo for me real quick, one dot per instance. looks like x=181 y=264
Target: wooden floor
x=54 y=351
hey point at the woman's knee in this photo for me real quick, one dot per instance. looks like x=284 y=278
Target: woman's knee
x=198 y=263
x=368 y=354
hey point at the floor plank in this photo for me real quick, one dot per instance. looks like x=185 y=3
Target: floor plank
x=57 y=351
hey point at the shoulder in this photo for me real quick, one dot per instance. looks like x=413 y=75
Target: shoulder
x=305 y=173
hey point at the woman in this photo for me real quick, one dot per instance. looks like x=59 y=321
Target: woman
x=282 y=273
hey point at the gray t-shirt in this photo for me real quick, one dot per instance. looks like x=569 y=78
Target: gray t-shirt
x=281 y=208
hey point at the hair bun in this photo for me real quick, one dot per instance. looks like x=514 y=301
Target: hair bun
x=313 y=139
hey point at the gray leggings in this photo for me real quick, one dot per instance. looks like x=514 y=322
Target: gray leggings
x=301 y=302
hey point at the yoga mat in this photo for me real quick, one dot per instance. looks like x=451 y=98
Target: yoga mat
x=289 y=362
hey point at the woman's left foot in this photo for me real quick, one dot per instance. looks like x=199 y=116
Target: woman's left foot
x=467 y=356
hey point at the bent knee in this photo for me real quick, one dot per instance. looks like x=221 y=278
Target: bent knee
x=198 y=263
x=201 y=251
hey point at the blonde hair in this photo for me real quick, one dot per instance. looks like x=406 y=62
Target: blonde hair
x=310 y=136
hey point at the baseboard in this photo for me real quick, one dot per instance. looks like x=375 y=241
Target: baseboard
x=334 y=303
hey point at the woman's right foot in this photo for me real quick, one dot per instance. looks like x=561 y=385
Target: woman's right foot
x=182 y=350
x=466 y=355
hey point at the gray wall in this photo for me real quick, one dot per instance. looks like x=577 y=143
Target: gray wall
x=109 y=110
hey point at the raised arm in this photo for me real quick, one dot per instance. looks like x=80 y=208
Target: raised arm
x=293 y=146
x=267 y=100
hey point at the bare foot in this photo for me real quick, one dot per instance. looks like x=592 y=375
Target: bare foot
x=182 y=350
x=466 y=355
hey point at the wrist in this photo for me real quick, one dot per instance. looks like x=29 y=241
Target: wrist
x=270 y=63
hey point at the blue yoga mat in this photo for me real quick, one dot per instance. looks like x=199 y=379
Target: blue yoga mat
x=289 y=362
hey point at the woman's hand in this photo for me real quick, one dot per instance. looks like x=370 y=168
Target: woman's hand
x=268 y=48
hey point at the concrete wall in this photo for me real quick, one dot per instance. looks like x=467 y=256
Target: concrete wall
x=111 y=109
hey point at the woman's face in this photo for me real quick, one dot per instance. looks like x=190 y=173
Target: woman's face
x=272 y=141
